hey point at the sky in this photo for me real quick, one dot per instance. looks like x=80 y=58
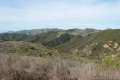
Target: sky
x=33 y=14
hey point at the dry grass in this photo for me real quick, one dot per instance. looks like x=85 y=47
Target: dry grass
x=34 y=68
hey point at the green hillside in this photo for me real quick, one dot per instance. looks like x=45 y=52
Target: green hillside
x=61 y=39
x=46 y=37
x=88 y=43
x=95 y=45
x=25 y=48
x=14 y=37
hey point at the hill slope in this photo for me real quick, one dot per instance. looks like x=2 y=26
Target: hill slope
x=95 y=45
x=25 y=48
x=90 y=43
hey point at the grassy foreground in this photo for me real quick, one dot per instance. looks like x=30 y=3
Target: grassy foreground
x=14 y=67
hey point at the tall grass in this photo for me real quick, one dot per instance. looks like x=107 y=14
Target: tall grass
x=14 y=67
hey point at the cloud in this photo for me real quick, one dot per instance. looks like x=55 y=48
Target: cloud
x=62 y=11
x=39 y=12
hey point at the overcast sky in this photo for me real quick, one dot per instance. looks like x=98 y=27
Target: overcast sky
x=30 y=14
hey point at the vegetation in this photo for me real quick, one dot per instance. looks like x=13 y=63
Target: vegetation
x=25 y=48
x=14 y=37
x=36 y=68
x=55 y=54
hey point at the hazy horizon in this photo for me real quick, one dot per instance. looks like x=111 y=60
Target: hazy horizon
x=56 y=28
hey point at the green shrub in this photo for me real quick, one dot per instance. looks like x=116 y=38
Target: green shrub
x=109 y=61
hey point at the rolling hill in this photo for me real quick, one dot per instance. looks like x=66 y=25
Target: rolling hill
x=88 y=43
x=95 y=45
